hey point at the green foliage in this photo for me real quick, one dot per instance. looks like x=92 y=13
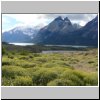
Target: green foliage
x=13 y=71
x=6 y=63
x=91 y=62
x=11 y=56
x=57 y=82
x=7 y=82
x=91 y=79
x=24 y=52
x=43 y=76
x=24 y=68
x=71 y=78
x=3 y=51
x=41 y=59
x=23 y=81
x=36 y=54
x=26 y=65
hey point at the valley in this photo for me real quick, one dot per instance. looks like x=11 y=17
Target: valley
x=31 y=67
x=50 y=50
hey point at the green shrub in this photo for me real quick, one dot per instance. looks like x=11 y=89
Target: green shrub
x=13 y=52
x=90 y=62
x=10 y=56
x=28 y=65
x=43 y=76
x=49 y=65
x=23 y=81
x=79 y=74
x=23 y=58
x=41 y=59
x=13 y=71
x=23 y=52
x=3 y=51
x=57 y=82
x=7 y=82
x=71 y=78
x=24 y=68
x=36 y=54
x=30 y=56
x=6 y=63
x=91 y=79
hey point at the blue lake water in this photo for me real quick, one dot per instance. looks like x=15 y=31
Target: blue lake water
x=52 y=51
x=60 y=51
x=22 y=44
x=26 y=44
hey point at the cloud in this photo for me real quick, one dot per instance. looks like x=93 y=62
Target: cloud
x=27 y=19
x=13 y=20
x=81 y=19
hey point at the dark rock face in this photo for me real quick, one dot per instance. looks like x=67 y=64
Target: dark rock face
x=63 y=32
x=19 y=34
x=59 y=31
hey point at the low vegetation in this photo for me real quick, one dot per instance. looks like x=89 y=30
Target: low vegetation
x=20 y=68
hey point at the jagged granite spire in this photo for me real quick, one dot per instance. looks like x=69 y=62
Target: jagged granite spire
x=58 y=18
x=66 y=19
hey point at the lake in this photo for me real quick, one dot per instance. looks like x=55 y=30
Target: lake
x=59 y=51
x=26 y=44
x=22 y=44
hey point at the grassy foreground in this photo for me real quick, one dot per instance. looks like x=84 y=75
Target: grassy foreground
x=52 y=69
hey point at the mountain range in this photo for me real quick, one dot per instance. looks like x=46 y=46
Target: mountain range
x=19 y=34
x=58 y=32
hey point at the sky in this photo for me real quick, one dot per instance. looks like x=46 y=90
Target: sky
x=10 y=21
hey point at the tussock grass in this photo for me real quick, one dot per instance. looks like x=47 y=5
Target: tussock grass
x=13 y=71
x=23 y=81
x=43 y=76
x=57 y=69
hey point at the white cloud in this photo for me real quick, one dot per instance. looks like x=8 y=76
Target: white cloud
x=28 y=19
x=82 y=23
x=41 y=19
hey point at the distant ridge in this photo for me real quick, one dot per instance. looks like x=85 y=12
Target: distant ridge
x=58 y=32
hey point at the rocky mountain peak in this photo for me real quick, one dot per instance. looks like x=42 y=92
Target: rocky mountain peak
x=66 y=19
x=58 y=18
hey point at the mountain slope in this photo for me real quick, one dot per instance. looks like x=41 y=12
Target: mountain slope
x=63 y=32
x=87 y=35
x=19 y=34
x=59 y=31
x=53 y=30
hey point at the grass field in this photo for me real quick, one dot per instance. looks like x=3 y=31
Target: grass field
x=52 y=69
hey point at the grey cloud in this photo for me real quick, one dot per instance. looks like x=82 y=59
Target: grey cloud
x=73 y=17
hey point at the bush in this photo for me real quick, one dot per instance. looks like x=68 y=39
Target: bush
x=30 y=56
x=43 y=76
x=90 y=62
x=49 y=65
x=23 y=58
x=24 y=52
x=27 y=65
x=91 y=79
x=10 y=56
x=71 y=78
x=23 y=81
x=13 y=71
x=7 y=82
x=23 y=68
x=57 y=82
x=36 y=54
x=40 y=59
x=3 y=51
x=79 y=74
x=6 y=63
